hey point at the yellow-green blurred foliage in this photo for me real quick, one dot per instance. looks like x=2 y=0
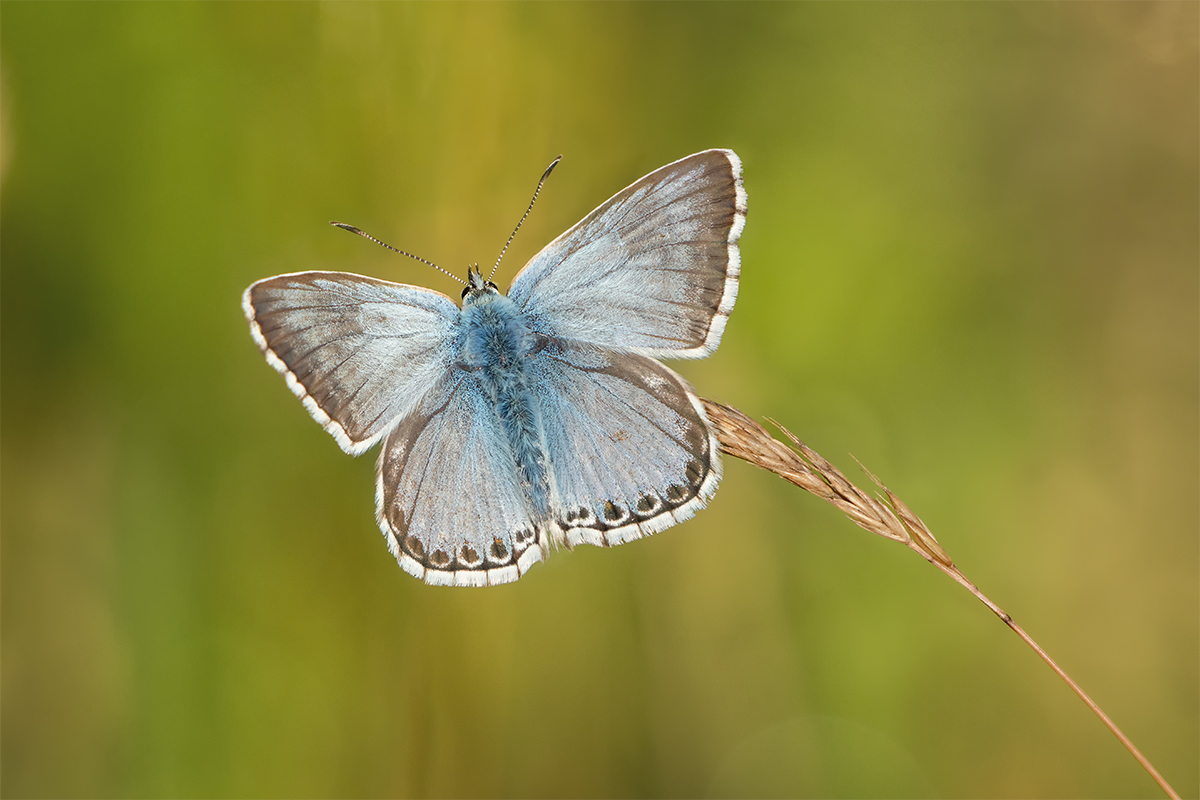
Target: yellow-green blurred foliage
x=971 y=261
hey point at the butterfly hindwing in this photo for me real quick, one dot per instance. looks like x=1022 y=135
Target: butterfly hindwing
x=654 y=269
x=359 y=352
x=631 y=449
x=447 y=496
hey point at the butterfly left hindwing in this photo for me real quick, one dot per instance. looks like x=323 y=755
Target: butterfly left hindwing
x=447 y=497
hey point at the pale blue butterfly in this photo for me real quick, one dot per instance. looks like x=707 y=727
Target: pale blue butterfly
x=536 y=418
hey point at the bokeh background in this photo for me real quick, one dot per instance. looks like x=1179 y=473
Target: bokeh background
x=971 y=262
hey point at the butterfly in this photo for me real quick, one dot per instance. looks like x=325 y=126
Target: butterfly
x=538 y=418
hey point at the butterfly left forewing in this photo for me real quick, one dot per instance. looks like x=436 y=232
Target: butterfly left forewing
x=357 y=351
x=631 y=449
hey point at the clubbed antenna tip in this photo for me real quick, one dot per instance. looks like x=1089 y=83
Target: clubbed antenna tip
x=536 y=192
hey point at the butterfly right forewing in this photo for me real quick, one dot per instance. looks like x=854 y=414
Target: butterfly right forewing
x=654 y=269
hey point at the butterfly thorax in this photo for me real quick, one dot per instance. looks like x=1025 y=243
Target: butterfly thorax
x=496 y=347
x=494 y=335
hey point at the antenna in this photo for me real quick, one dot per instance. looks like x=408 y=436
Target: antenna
x=353 y=229
x=536 y=191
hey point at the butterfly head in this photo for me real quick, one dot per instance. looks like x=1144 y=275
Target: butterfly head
x=477 y=285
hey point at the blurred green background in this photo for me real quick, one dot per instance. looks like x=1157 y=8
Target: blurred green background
x=971 y=262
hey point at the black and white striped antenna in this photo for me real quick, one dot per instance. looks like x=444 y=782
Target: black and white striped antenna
x=365 y=235
x=536 y=191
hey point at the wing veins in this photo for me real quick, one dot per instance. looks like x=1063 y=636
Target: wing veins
x=326 y=343
x=329 y=373
x=667 y=203
x=277 y=327
x=302 y=330
x=428 y=461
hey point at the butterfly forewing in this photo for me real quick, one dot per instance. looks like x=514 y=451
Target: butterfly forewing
x=654 y=269
x=359 y=352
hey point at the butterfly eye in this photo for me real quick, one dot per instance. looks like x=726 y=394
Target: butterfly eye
x=466 y=289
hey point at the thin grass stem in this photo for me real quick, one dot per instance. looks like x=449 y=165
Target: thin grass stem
x=882 y=514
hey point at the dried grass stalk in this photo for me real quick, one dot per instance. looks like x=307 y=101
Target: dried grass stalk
x=883 y=514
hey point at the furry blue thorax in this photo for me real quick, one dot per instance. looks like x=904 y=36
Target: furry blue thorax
x=496 y=345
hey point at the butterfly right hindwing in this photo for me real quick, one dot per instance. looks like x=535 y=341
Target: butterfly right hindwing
x=631 y=448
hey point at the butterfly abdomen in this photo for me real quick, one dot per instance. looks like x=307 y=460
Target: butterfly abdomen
x=496 y=345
